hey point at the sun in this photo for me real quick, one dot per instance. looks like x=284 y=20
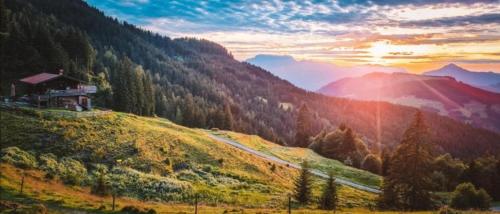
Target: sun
x=378 y=50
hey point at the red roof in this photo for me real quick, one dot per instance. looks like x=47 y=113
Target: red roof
x=39 y=78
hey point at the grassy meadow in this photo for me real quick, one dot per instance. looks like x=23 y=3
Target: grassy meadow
x=154 y=151
x=297 y=155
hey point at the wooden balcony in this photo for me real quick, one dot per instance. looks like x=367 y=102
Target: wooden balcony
x=68 y=92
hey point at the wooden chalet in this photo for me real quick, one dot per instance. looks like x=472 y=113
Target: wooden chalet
x=58 y=91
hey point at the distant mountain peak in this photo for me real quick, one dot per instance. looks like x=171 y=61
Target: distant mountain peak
x=451 y=68
x=452 y=65
x=479 y=79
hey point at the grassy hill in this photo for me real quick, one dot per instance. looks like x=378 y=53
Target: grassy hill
x=153 y=151
x=298 y=155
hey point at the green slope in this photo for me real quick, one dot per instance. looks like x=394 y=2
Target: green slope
x=154 y=148
x=297 y=155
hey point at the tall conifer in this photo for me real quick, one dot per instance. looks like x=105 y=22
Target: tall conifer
x=409 y=181
x=303 y=127
x=303 y=185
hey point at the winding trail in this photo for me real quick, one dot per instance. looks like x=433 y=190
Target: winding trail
x=280 y=161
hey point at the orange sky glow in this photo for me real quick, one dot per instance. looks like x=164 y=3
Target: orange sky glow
x=415 y=35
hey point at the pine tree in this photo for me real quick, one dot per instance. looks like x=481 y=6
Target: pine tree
x=228 y=123
x=329 y=196
x=303 y=127
x=137 y=77
x=349 y=143
x=54 y=55
x=3 y=22
x=188 y=111
x=124 y=85
x=3 y=37
x=348 y=149
x=386 y=161
x=179 y=118
x=149 y=99
x=303 y=185
x=409 y=181
x=372 y=164
x=496 y=178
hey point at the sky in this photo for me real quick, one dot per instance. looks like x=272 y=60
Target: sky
x=417 y=35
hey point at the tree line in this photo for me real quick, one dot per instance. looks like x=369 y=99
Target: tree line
x=413 y=174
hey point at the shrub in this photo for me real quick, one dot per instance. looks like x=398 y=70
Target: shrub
x=100 y=180
x=483 y=200
x=181 y=166
x=207 y=168
x=18 y=157
x=149 y=187
x=72 y=171
x=221 y=161
x=448 y=171
x=188 y=175
x=466 y=196
x=49 y=164
x=372 y=163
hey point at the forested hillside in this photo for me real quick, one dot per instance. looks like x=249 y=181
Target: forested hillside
x=196 y=83
x=442 y=95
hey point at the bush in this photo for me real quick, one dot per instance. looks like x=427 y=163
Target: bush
x=149 y=187
x=483 y=200
x=18 y=157
x=100 y=180
x=466 y=196
x=49 y=164
x=372 y=163
x=188 y=175
x=72 y=171
x=181 y=166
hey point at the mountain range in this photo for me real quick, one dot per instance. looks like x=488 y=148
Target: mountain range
x=311 y=75
x=442 y=95
x=485 y=80
x=197 y=83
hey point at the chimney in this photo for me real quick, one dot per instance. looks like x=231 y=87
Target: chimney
x=61 y=71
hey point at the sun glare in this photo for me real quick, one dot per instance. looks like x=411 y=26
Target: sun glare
x=378 y=51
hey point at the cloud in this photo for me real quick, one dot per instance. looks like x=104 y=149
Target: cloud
x=491 y=18
x=325 y=30
x=479 y=61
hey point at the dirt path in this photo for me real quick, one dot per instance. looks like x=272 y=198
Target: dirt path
x=280 y=161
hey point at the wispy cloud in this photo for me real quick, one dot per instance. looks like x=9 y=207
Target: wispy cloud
x=345 y=31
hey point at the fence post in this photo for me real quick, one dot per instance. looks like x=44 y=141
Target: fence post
x=196 y=204
x=22 y=182
x=114 y=199
x=289 y=204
